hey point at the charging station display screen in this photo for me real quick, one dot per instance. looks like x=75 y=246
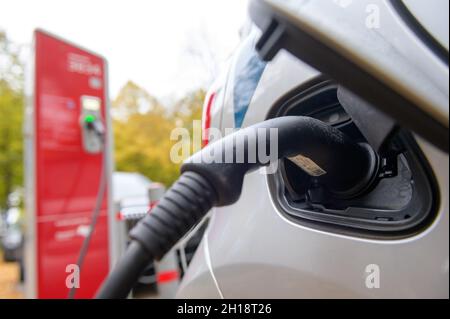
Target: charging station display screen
x=69 y=84
x=90 y=103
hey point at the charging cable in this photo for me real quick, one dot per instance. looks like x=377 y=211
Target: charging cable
x=347 y=169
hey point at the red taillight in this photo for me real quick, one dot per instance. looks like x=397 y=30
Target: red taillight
x=167 y=276
x=152 y=205
x=206 y=120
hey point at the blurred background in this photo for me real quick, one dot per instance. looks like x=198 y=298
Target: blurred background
x=162 y=57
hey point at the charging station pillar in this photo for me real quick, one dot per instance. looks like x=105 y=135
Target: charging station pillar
x=64 y=159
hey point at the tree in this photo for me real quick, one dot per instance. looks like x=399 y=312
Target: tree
x=142 y=137
x=188 y=110
x=132 y=99
x=11 y=118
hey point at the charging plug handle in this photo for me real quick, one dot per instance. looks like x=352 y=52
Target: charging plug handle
x=348 y=167
x=203 y=184
x=97 y=126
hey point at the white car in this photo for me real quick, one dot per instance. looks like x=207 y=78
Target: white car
x=286 y=236
x=130 y=191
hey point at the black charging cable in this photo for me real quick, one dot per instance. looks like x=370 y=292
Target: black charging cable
x=349 y=169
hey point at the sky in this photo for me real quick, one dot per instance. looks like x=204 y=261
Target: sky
x=162 y=45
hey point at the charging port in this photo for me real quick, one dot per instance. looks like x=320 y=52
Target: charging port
x=400 y=200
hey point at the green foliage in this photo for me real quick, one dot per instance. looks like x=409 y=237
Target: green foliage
x=11 y=119
x=142 y=128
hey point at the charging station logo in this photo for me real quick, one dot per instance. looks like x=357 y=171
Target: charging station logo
x=73 y=277
x=82 y=64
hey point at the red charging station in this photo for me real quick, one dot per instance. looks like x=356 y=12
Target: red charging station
x=67 y=91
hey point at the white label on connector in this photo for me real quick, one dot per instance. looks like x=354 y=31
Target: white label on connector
x=308 y=165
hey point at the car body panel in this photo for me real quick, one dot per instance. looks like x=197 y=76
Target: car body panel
x=435 y=22
x=199 y=281
x=253 y=247
x=387 y=49
x=255 y=252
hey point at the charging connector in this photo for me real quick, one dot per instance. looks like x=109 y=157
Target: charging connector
x=347 y=169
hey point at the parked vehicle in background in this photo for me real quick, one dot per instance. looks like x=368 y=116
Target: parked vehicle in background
x=134 y=196
x=12 y=239
x=131 y=189
x=130 y=195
